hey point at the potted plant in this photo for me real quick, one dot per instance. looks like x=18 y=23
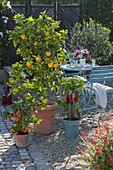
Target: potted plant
x=82 y=56
x=69 y=101
x=21 y=119
x=41 y=45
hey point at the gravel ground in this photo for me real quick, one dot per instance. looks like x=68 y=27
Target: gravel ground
x=60 y=151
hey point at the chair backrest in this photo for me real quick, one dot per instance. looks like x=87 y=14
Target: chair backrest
x=101 y=74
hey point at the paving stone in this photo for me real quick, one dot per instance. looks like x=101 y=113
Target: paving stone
x=15 y=158
x=31 y=168
x=2 y=166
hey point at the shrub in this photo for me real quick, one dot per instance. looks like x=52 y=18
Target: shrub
x=98 y=152
x=93 y=37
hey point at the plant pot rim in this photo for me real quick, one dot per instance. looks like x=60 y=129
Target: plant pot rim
x=67 y=119
x=21 y=134
x=50 y=105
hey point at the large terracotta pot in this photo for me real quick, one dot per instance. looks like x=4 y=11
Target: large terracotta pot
x=47 y=116
x=21 y=140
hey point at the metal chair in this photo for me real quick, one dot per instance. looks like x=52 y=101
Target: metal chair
x=101 y=75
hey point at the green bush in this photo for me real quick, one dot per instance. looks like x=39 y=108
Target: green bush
x=95 y=38
x=101 y=11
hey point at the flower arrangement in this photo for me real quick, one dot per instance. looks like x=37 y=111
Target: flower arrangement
x=99 y=151
x=81 y=53
x=70 y=99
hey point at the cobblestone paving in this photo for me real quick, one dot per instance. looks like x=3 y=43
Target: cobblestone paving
x=15 y=158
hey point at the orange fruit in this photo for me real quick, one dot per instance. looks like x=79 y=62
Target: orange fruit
x=48 y=53
x=23 y=37
x=55 y=65
x=50 y=65
x=29 y=64
x=47 y=59
x=47 y=33
x=38 y=59
x=35 y=43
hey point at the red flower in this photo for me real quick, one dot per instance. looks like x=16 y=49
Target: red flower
x=99 y=151
x=78 y=148
x=105 y=138
x=92 y=141
x=96 y=166
x=110 y=160
x=84 y=135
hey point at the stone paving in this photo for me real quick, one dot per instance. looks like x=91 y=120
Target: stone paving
x=16 y=158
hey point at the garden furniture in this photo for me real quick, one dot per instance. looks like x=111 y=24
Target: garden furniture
x=98 y=94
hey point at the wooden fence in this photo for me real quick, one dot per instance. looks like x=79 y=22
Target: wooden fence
x=68 y=14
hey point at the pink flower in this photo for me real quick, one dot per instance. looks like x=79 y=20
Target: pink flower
x=82 y=53
x=77 y=53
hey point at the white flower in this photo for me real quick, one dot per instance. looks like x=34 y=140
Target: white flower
x=1 y=34
x=7 y=31
x=5 y=21
x=5 y=18
x=8 y=5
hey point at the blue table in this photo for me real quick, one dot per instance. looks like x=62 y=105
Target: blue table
x=75 y=70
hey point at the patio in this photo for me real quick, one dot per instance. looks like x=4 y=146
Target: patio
x=50 y=152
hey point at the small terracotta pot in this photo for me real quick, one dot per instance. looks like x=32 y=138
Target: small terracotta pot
x=21 y=140
x=47 y=116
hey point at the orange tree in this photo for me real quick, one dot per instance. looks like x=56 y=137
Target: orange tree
x=41 y=45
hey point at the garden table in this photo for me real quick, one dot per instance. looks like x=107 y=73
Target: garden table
x=77 y=70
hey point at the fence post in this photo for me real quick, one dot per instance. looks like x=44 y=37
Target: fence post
x=55 y=7
x=30 y=7
x=58 y=9
x=80 y=18
x=26 y=8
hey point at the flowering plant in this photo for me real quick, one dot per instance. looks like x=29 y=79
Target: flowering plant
x=21 y=116
x=4 y=6
x=81 y=53
x=99 y=151
x=70 y=99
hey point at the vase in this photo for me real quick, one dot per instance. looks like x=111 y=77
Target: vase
x=21 y=140
x=82 y=62
x=47 y=116
x=71 y=128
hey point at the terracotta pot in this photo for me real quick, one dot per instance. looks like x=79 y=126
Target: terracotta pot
x=21 y=140
x=47 y=116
